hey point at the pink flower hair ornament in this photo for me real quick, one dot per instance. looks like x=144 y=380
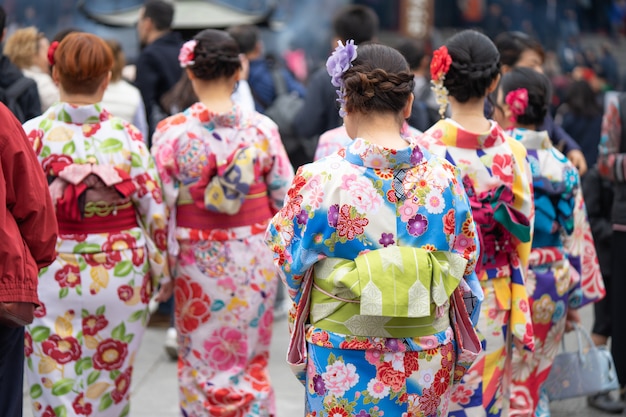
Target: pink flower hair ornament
x=439 y=67
x=517 y=101
x=187 y=53
x=337 y=64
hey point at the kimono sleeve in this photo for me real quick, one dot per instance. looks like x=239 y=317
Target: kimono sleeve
x=278 y=171
x=148 y=201
x=588 y=285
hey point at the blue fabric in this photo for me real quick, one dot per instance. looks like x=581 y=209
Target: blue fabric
x=262 y=84
x=11 y=371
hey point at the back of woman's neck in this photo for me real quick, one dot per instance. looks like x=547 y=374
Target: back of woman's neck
x=471 y=116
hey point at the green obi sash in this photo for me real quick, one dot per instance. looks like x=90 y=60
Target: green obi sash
x=390 y=292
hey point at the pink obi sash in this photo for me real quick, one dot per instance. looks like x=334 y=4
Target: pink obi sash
x=254 y=209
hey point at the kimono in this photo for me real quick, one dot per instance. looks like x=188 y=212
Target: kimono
x=374 y=235
x=497 y=178
x=563 y=266
x=335 y=139
x=111 y=252
x=224 y=176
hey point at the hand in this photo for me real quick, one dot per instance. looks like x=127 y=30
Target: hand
x=577 y=158
x=165 y=291
x=572 y=318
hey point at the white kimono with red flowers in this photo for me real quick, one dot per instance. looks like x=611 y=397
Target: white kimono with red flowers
x=82 y=344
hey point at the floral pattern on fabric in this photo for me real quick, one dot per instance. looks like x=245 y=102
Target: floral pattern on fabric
x=491 y=160
x=361 y=199
x=225 y=282
x=82 y=344
x=564 y=271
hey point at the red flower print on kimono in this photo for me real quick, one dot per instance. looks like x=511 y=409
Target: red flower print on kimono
x=122 y=385
x=348 y=225
x=449 y=222
x=28 y=344
x=62 y=350
x=225 y=348
x=90 y=129
x=429 y=401
x=80 y=407
x=411 y=363
x=68 y=276
x=390 y=376
x=34 y=137
x=227 y=402
x=146 y=184
x=502 y=167
x=110 y=355
x=119 y=241
x=146 y=288
x=93 y=324
x=133 y=132
x=49 y=412
x=193 y=306
x=125 y=292
x=106 y=259
x=257 y=374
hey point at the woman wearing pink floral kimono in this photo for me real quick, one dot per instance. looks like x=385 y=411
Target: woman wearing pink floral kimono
x=112 y=237
x=225 y=172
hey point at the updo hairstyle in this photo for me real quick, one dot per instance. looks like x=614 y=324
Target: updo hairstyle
x=379 y=80
x=216 y=55
x=82 y=61
x=475 y=64
x=539 y=93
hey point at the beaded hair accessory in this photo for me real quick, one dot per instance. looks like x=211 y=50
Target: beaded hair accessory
x=439 y=66
x=336 y=65
x=51 y=50
x=187 y=53
x=518 y=103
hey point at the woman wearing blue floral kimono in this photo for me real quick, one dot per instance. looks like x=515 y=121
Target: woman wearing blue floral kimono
x=564 y=273
x=367 y=237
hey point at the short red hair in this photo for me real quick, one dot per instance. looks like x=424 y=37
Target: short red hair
x=82 y=61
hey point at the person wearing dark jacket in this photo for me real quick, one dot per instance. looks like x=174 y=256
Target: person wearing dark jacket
x=28 y=235
x=612 y=166
x=598 y=194
x=28 y=100
x=320 y=110
x=157 y=66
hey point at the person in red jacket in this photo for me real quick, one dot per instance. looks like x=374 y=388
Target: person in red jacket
x=28 y=234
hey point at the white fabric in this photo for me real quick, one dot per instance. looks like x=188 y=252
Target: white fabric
x=48 y=91
x=123 y=100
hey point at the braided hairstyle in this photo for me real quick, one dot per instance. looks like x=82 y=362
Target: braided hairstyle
x=475 y=64
x=216 y=55
x=539 y=93
x=379 y=81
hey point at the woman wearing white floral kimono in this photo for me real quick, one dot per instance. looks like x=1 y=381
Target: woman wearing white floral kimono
x=81 y=347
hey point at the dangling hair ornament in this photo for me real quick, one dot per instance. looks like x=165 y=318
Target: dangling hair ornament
x=187 y=53
x=337 y=64
x=51 y=50
x=439 y=66
x=518 y=102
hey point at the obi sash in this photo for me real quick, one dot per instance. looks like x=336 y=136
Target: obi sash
x=91 y=198
x=389 y=292
x=554 y=210
x=254 y=209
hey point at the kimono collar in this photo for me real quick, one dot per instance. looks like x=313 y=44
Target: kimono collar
x=80 y=115
x=364 y=153
x=453 y=134
x=531 y=139
x=232 y=118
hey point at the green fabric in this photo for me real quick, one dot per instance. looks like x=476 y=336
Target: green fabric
x=389 y=292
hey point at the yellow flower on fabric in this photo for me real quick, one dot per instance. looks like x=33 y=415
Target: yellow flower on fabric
x=543 y=309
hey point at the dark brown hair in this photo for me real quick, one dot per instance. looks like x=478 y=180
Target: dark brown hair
x=378 y=81
x=82 y=61
x=216 y=55
x=118 y=59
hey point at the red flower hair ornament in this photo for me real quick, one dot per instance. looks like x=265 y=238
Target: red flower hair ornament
x=439 y=66
x=51 y=50
x=517 y=101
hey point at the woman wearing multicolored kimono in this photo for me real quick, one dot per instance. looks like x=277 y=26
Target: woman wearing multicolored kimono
x=369 y=236
x=564 y=272
x=225 y=173
x=497 y=178
x=81 y=347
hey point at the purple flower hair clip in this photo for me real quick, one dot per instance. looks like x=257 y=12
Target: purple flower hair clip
x=187 y=53
x=336 y=65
